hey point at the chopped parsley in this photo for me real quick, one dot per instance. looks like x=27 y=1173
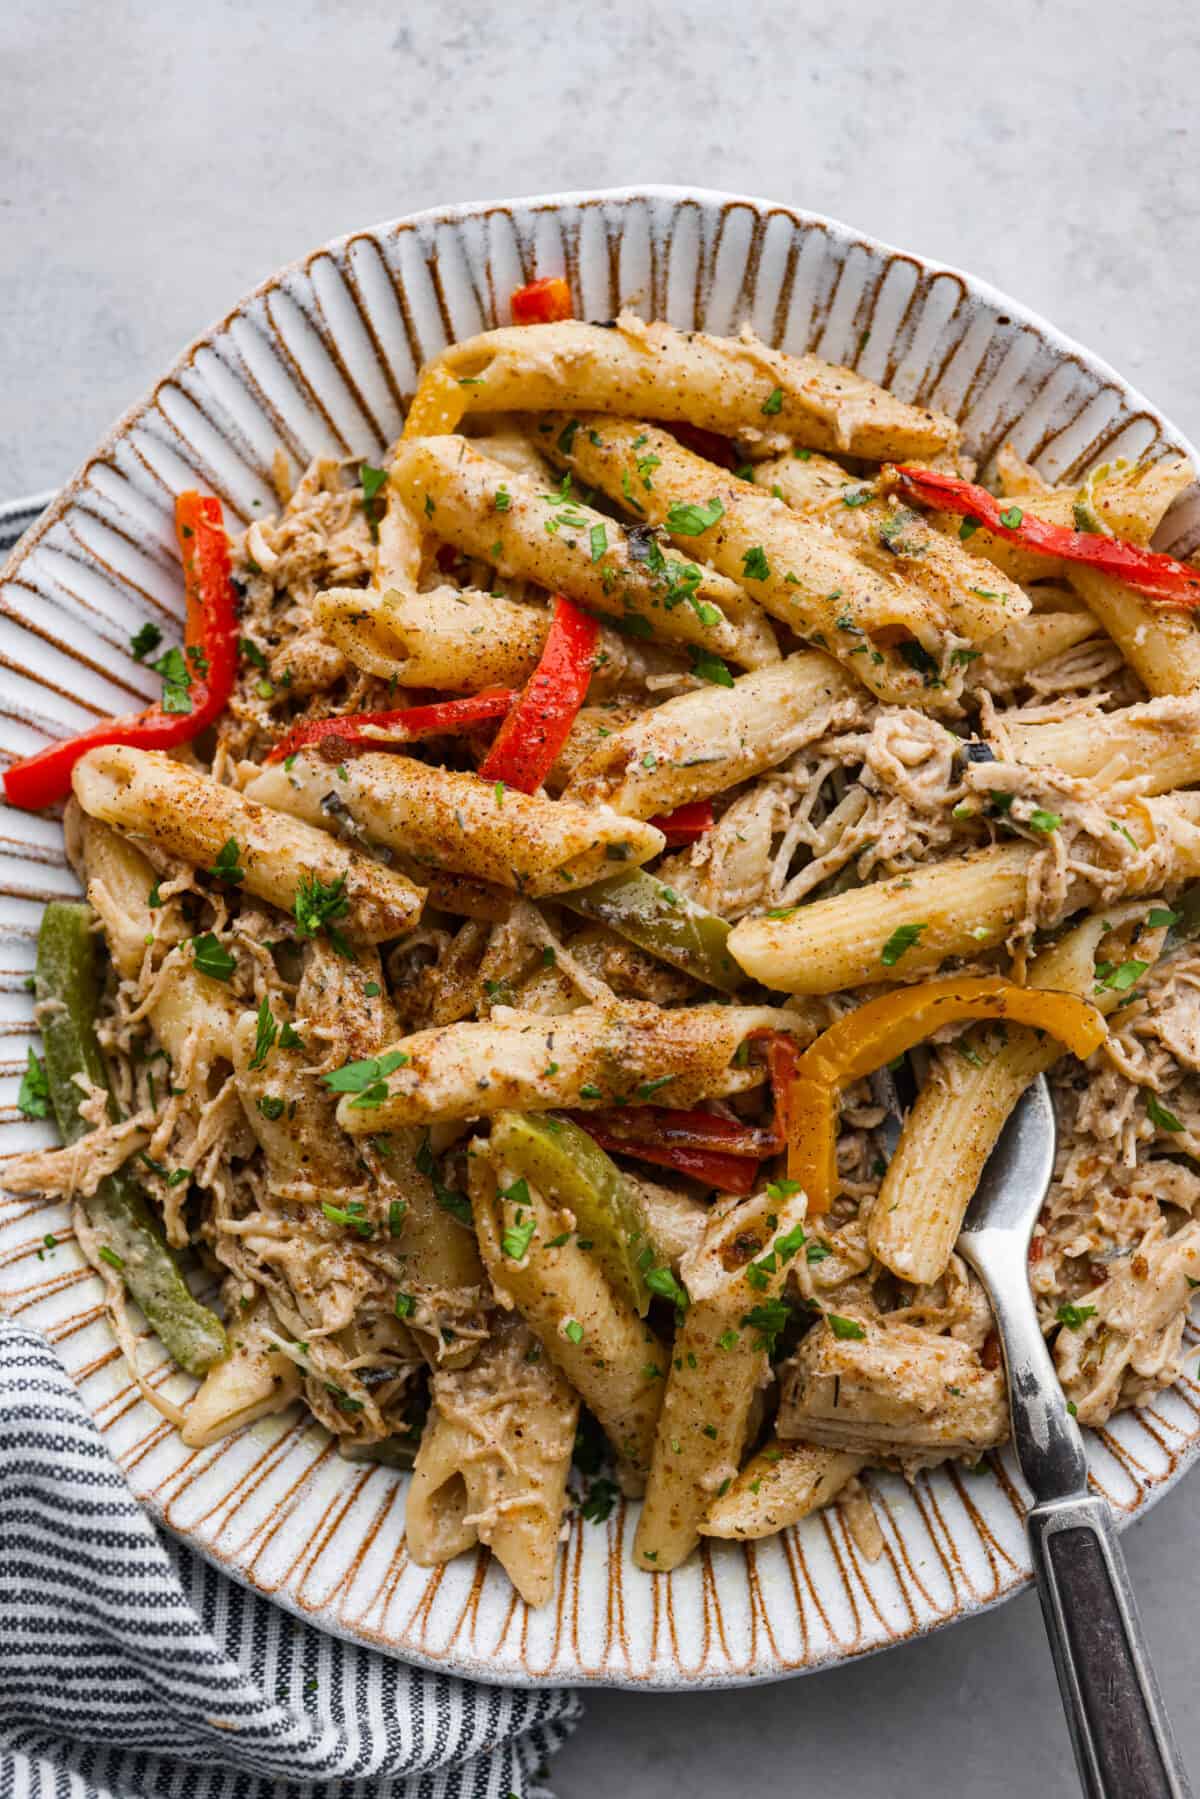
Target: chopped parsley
x=351 y=1217
x=1012 y=518
x=967 y=529
x=773 y=402
x=755 y=566
x=271 y=1105
x=857 y=496
x=1161 y=916
x=598 y=538
x=1159 y=1115
x=768 y=1319
x=1074 y=1316
x=112 y=1258
x=448 y=1198
x=710 y=668
x=227 y=867
x=176 y=680
x=318 y=903
x=573 y=1330
x=1121 y=977
x=1040 y=820
x=250 y=650
x=602 y=1495
x=662 y=1282
x=265 y=1034
x=405 y=1305
x=33 y=1096
x=146 y=638
x=691 y=520
x=900 y=942
x=212 y=958
x=367 y=1079
x=844 y=1328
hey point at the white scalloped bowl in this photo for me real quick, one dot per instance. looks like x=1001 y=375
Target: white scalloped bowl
x=320 y=359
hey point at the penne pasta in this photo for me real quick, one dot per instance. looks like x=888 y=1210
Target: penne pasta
x=632 y=368
x=890 y=634
x=958 y=907
x=253 y=1381
x=891 y=538
x=602 y=1055
x=611 y=1357
x=1027 y=644
x=1160 y=643
x=191 y=815
x=553 y=539
x=959 y=1114
x=1156 y=745
x=700 y=743
x=445 y=639
x=493 y=1462
x=783 y=1483
x=439 y=818
x=720 y=1361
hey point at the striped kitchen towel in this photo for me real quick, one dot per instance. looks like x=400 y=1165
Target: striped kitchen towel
x=130 y=1667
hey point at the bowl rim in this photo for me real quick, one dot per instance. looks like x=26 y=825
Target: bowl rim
x=453 y=213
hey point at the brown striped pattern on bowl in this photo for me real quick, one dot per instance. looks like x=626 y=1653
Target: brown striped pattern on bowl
x=321 y=358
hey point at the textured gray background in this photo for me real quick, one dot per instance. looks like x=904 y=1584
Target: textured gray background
x=156 y=160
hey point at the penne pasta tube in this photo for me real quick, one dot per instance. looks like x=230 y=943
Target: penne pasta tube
x=595 y=1055
x=252 y=1381
x=779 y=1486
x=959 y=1114
x=190 y=815
x=553 y=539
x=895 y=538
x=733 y=386
x=493 y=1462
x=1028 y=643
x=1160 y=643
x=886 y=631
x=956 y=908
x=1156 y=744
x=700 y=743
x=718 y=1364
x=440 y=818
x=191 y=1013
x=445 y=639
x=611 y=1357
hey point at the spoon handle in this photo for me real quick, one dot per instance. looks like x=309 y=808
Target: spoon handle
x=1122 y=1737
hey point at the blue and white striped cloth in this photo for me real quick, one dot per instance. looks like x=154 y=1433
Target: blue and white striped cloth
x=130 y=1667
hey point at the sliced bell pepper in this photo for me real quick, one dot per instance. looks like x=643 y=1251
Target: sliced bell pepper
x=875 y=1034
x=666 y=923
x=686 y=823
x=358 y=731
x=666 y=1127
x=529 y=741
x=208 y=667
x=729 y=1174
x=1148 y=572
x=541 y=302
x=569 y=1166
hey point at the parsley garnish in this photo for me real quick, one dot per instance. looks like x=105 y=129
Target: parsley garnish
x=1041 y=820
x=226 y=866
x=1158 y=1114
x=250 y=650
x=598 y=538
x=1074 y=1316
x=265 y=1034
x=366 y=1078
x=844 y=1328
x=573 y=1330
x=212 y=957
x=710 y=668
x=405 y=1305
x=1160 y=916
x=147 y=637
x=755 y=566
x=691 y=520
x=601 y=1497
x=768 y=1319
x=900 y=942
x=176 y=680
x=318 y=903
x=773 y=402
x=1012 y=518
x=271 y=1105
x=33 y=1096
x=352 y=1217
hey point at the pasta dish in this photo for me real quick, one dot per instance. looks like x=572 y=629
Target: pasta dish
x=558 y=955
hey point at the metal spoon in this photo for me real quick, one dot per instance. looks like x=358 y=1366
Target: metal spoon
x=1122 y=1737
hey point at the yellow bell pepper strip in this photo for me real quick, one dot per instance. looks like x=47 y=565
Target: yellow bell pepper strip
x=875 y=1034
x=1148 y=572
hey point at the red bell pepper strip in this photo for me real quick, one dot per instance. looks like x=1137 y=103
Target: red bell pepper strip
x=703 y=443
x=730 y=1174
x=528 y=742
x=210 y=658
x=358 y=731
x=664 y=1127
x=686 y=823
x=1148 y=572
x=541 y=302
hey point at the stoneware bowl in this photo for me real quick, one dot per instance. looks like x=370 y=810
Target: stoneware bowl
x=321 y=358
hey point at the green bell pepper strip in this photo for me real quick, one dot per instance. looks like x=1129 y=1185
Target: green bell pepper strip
x=653 y=915
x=570 y=1169
x=68 y=992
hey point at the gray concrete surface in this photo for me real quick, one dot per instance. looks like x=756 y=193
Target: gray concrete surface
x=156 y=160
